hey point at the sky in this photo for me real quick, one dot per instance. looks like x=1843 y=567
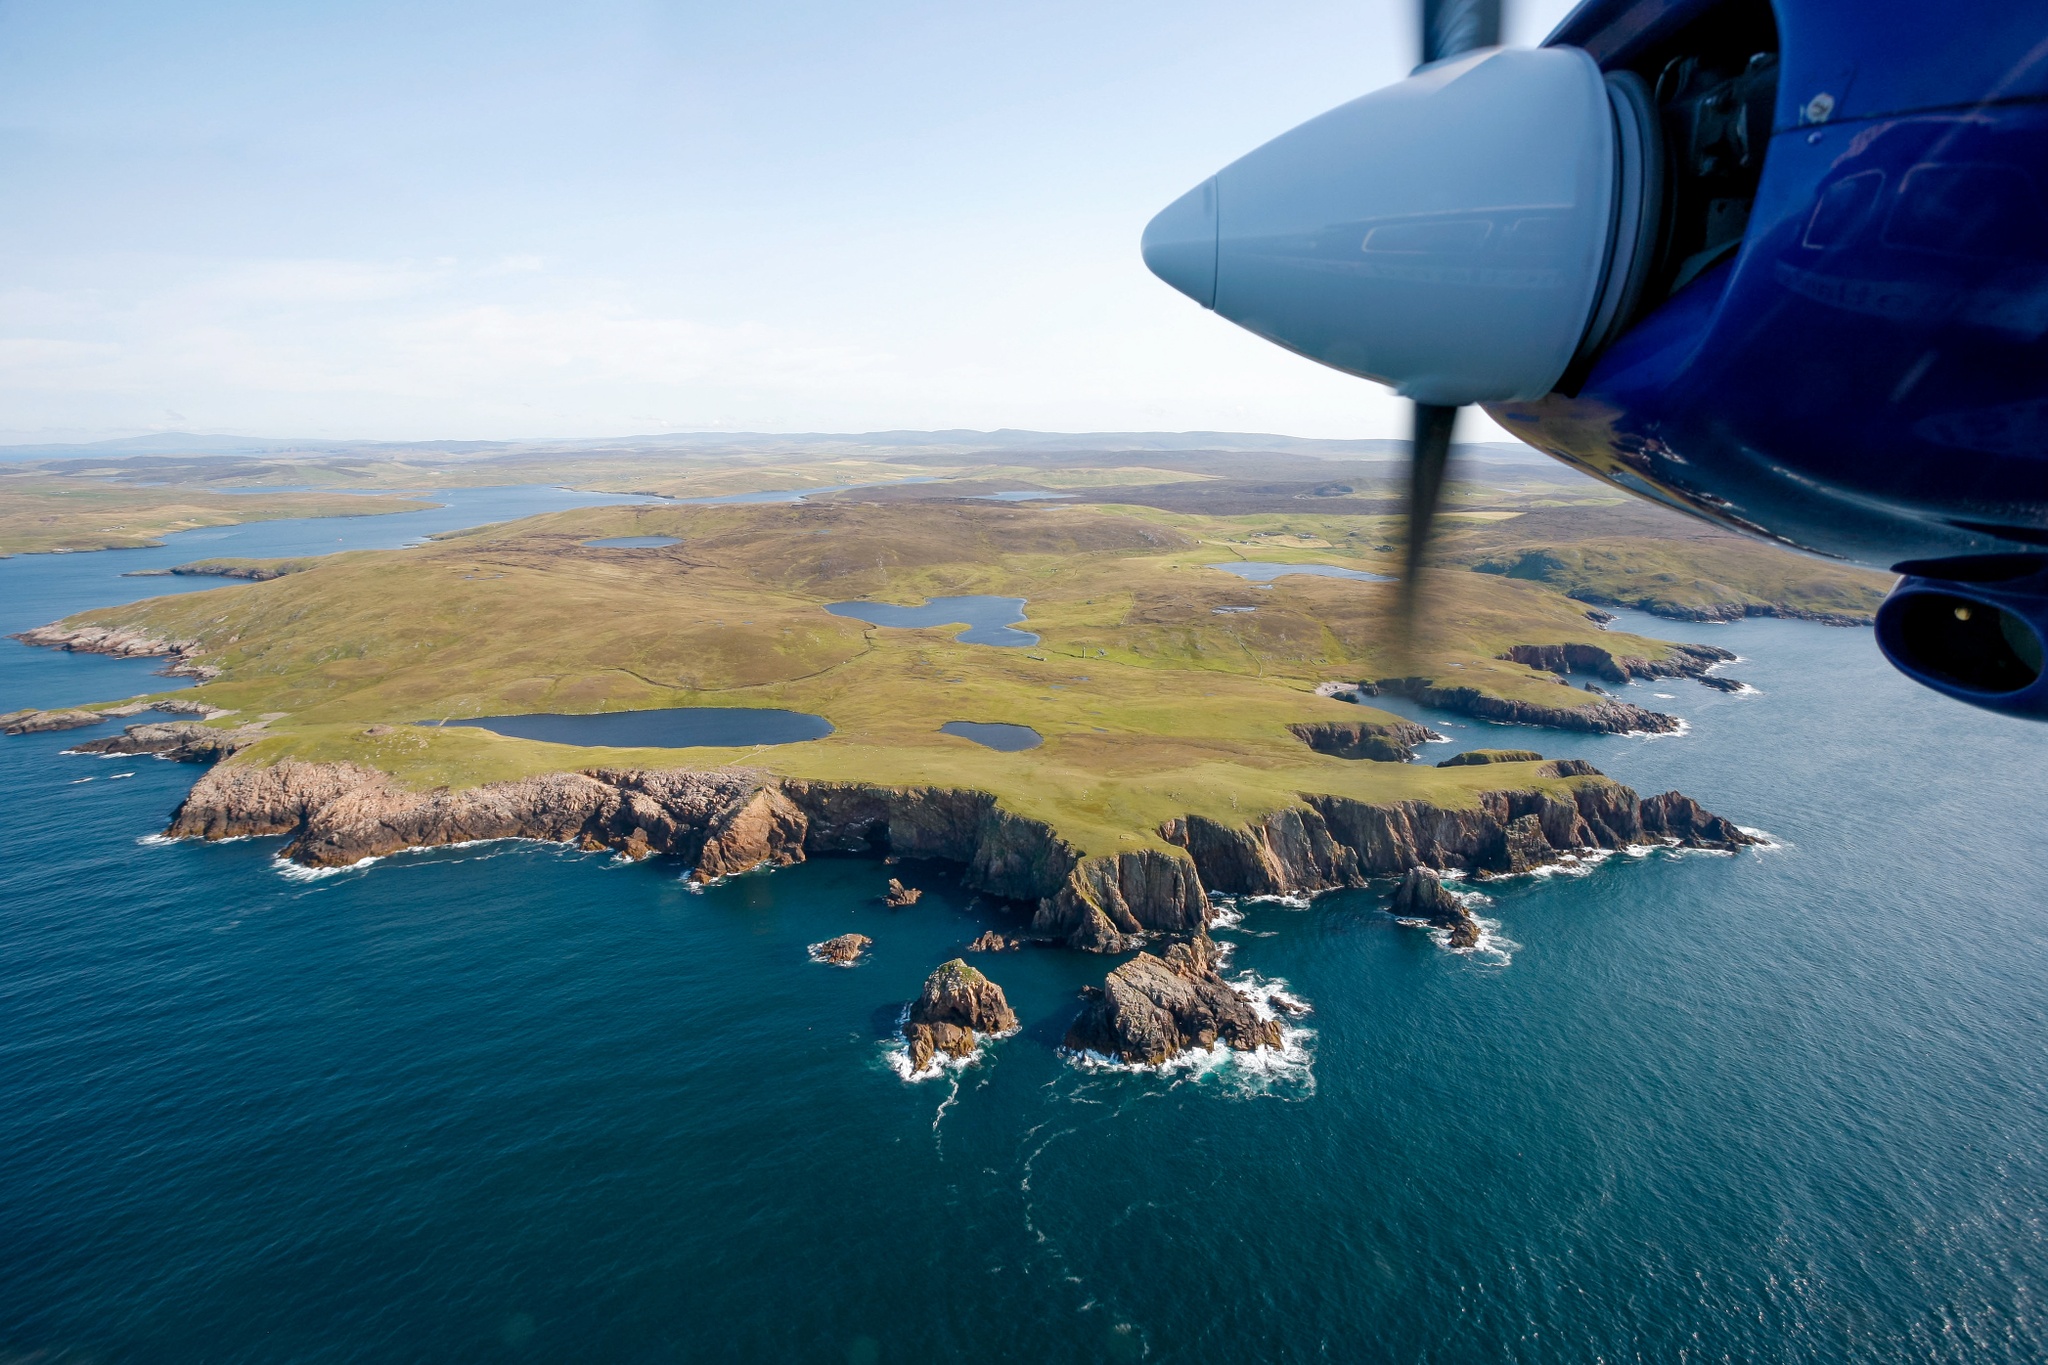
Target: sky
x=446 y=219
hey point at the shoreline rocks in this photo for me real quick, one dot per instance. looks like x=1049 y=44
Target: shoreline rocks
x=1601 y=718
x=122 y=644
x=30 y=721
x=957 y=1007
x=1153 y=1008
x=897 y=895
x=181 y=741
x=993 y=942
x=1422 y=896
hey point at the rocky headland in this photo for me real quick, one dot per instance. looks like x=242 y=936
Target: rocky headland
x=32 y=721
x=957 y=1008
x=1601 y=718
x=1155 y=1007
x=122 y=644
x=732 y=820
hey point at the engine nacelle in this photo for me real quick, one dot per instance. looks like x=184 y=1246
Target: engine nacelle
x=1972 y=627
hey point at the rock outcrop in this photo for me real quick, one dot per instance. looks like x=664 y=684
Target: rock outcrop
x=1384 y=743
x=958 y=1005
x=993 y=942
x=31 y=721
x=124 y=644
x=1109 y=904
x=842 y=951
x=181 y=741
x=1679 y=661
x=1720 y=684
x=1422 y=896
x=896 y=895
x=1474 y=757
x=34 y=722
x=1600 y=718
x=1154 y=1008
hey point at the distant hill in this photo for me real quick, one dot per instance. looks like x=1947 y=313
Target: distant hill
x=179 y=443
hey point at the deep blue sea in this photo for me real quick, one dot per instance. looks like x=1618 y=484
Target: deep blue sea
x=516 y=1103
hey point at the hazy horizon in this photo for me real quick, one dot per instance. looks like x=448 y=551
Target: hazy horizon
x=507 y=222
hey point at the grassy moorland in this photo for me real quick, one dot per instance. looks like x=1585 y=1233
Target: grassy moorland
x=1153 y=701
x=41 y=512
x=1635 y=555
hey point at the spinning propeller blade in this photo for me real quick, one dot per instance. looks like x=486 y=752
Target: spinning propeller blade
x=1449 y=27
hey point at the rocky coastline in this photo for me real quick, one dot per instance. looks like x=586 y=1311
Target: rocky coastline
x=1601 y=718
x=122 y=644
x=731 y=821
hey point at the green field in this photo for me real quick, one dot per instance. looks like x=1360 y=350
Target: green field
x=1151 y=701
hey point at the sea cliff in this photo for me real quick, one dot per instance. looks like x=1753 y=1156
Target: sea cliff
x=730 y=821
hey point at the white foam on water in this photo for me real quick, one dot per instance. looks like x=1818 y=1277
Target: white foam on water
x=1223 y=912
x=897 y=1054
x=1494 y=949
x=1269 y=996
x=1292 y=900
x=298 y=872
x=1285 y=1070
x=1582 y=862
x=1770 y=843
x=1684 y=729
x=76 y=780
x=116 y=777
x=1665 y=696
x=160 y=840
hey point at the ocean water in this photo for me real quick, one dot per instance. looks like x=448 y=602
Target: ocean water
x=516 y=1103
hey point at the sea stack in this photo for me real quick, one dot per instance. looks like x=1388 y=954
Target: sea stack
x=898 y=895
x=957 y=1004
x=1153 y=1008
x=1422 y=896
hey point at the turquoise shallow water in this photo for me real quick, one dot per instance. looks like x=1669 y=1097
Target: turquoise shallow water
x=515 y=1103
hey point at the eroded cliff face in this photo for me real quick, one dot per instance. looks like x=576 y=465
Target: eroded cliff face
x=732 y=821
x=1390 y=743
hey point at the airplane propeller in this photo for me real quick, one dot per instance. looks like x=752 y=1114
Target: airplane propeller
x=1448 y=28
x=1461 y=236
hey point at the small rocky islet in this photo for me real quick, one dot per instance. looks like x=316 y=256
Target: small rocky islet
x=957 y=1008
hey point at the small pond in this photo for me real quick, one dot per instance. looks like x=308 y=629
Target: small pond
x=988 y=619
x=633 y=542
x=993 y=735
x=681 y=727
x=1265 y=571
